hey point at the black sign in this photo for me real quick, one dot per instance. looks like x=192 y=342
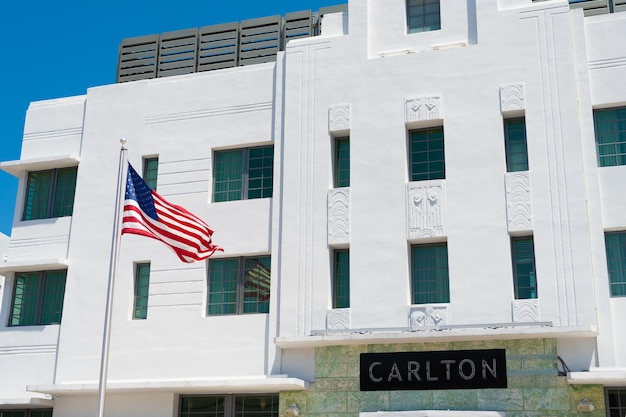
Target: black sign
x=459 y=369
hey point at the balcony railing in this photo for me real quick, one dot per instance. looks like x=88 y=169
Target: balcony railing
x=595 y=7
x=215 y=47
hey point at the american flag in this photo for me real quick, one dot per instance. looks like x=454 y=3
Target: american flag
x=148 y=214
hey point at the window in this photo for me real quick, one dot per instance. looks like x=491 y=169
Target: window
x=423 y=15
x=38 y=298
x=616 y=260
x=616 y=402
x=610 y=127
x=239 y=285
x=341 y=279
x=515 y=144
x=50 y=193
x=524 y=277
x=142 y=284
x=26 y=413
x=150 y=171
x=256 y=405
x=242 y=174
x=342 y=162
x=430 y=273
x=427 y=154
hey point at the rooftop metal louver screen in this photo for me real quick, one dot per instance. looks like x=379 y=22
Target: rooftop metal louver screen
x=218 y=46
x=619 y=5
x=259 y=40
x=137 y=58
x=177 y=53
x=298 y=25
x=591 y=7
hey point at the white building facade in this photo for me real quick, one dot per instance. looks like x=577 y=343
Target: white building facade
x=421 y=209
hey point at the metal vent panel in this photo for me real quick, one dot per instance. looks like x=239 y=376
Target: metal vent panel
x=137 y=58
x=592 y=7
x=259 y=40
x=177 y=53
x=297 y=25
x=218 y=46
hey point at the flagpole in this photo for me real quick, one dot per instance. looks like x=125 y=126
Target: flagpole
x=104 y=361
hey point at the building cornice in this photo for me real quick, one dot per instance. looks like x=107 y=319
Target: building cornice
x=252 y=384
x=435 y=334
x=38 y=164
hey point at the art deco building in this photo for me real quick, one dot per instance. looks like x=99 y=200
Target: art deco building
x=421 y=204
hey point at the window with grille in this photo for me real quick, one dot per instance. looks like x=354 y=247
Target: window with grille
x=241 y=174
x=50 y=193
x=239 y=285
x=423 y=15
x=150 y=171
x=253 y=405
x=38 y=298
x=341 y=278
x=616 y=262
x=429 y=272
x=427 y=160
x=616 y=402
x=515 y=144
x=524 y=276
x=610 y=129
x=342 y=162
x=142 y=286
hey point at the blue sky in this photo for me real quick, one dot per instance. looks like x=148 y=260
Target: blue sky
x=60 y=49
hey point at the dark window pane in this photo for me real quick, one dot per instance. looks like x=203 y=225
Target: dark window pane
x=430 y=274
x=616 y=262
x=524 y=275
x=515 y=144
x=228 y=175
x=150 y=171
x=610 y=131
x=427 y=155
x=342 y=162
x=341 y=283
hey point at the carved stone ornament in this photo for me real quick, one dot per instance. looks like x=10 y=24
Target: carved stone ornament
x=512 y=97
x=429 y=316
x=426 y=211
x=338 y=319
x=429 y=107
x=339 y=216
x=525 y=311
x=518 y=204
x=339 y=117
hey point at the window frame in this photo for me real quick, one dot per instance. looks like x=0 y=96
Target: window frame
x=617 y=277
x=239 y=293
x=341 y=279
x=141 y=290
x=517 y=264
x=150 y=171
x=621 y=392
x=230 y=405
x=610 y=129
x=512 y=156
x=438 y=295
x=39 y=299
x=341 y=173
x=242 y=176
x=434 y=151
x=422 y=14
x=30 y=198
x=32 y=412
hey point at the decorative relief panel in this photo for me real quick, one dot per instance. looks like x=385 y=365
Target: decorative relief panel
x=429 y=107
x=518 y=203
x=525 y=311
x=339 y=216
x=512 y=97
x=338 y=319
x=426 y=210
x=429 y=316
x=339 y=117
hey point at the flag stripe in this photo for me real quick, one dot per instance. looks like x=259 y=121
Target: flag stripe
x=185 y=233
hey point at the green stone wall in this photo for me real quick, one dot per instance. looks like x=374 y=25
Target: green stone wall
x=534 y=387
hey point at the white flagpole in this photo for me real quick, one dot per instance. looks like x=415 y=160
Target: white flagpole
x=104 y=361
